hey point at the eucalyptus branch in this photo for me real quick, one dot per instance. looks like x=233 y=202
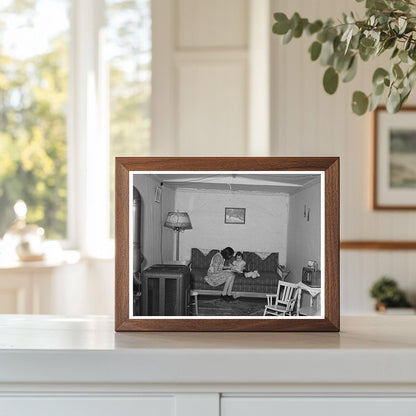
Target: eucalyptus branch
x=388 y=26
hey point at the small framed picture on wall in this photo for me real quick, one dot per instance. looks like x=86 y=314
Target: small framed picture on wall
x=235 y=215
x=394 y=177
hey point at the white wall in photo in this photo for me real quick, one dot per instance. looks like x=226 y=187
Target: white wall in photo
x=304 y=230
x=265 y=229
x=156 y=240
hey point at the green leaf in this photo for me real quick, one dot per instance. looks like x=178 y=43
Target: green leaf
x=330 y=80
x=355 y=41
x=348 y=34
x=402 y=24
x=281 y=27
x=327 y=53
x=294 y=20
x=376 y=4
x=374 y=102
x=397 y=71
x=400 y=5
x=359 y=103
x=378 y=89
x=408 y=42
x=412 y=70
x=411 y=76
x=395 y=53
x=298 y=30
x=367 y=42
x=403 y=56
x=393 y=101
x=315 y=50
x=314 y=27
x=288 y=37
x=341 y=61
x=351 y=71
x=389 y=43
x=404 y=95
x=379 y=75
x=366 y=53
x=412 y=52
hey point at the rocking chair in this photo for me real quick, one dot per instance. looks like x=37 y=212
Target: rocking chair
x=284 y=302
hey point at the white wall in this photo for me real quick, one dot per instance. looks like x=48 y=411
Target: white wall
x=210 y=70
x=308 y=122
x=265 y=229
x=303 y=237
x=153 y=216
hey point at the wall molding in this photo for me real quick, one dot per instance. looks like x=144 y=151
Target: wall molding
x=377 y=245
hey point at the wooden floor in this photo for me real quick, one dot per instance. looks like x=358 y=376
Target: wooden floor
x=217 y=306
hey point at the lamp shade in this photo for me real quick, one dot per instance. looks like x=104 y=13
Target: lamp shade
x=178 y=221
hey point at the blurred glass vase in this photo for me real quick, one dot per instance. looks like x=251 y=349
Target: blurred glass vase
x=25 y=241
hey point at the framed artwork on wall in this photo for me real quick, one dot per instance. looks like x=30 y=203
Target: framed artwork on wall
x=235 y=216
x=394 y=178
x=180 y=267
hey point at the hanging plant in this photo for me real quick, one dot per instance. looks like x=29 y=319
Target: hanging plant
x=389 y=27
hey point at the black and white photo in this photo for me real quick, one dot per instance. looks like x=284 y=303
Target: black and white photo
x=189 y=258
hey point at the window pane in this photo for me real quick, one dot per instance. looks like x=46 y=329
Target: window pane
x=129 y=51
x=33 y=100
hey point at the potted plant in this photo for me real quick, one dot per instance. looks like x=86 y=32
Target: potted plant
x=387 y=294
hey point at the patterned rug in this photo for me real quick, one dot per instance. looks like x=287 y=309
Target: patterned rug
x=217 y=306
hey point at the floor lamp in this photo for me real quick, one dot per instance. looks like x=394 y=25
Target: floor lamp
x=179 y=222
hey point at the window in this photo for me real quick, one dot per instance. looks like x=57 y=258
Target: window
x=33 y=98
x=129 y=46
x=75 y=87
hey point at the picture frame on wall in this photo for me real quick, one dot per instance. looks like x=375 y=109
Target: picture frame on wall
x=180 y=267
x=235 y=216
x=394 y=151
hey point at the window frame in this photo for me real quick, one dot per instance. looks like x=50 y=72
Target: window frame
x=87 y=133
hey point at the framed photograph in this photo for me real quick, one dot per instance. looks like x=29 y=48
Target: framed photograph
x=394 y=159
x=235 y=215
x=181 y=267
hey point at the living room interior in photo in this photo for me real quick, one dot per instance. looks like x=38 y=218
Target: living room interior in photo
x=226 y=244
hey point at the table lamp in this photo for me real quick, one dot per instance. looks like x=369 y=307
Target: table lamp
x=179 y=222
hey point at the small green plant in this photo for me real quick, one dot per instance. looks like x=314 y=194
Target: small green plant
x=389 y=27
x=387 y=294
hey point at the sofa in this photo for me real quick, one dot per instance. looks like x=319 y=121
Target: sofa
x=265 y=263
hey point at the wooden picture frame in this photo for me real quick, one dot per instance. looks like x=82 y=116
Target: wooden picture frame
x=326 y=168
x=394 y=158
x=234 y=215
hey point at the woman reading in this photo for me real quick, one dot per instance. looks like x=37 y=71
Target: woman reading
x=219 y=274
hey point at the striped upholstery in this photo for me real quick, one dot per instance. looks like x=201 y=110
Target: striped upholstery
x=266 y=283
x=201 y=261
x=254 y=262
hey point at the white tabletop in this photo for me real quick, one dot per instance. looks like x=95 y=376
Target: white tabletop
x=50 y=349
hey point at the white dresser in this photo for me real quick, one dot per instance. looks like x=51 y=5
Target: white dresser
x=52 y=365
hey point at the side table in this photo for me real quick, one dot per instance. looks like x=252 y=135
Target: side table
x=165 y=290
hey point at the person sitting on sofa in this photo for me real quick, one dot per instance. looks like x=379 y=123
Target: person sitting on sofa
x=218 y=273
x=238 y=265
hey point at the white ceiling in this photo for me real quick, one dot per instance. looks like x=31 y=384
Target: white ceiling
x=289 y=183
